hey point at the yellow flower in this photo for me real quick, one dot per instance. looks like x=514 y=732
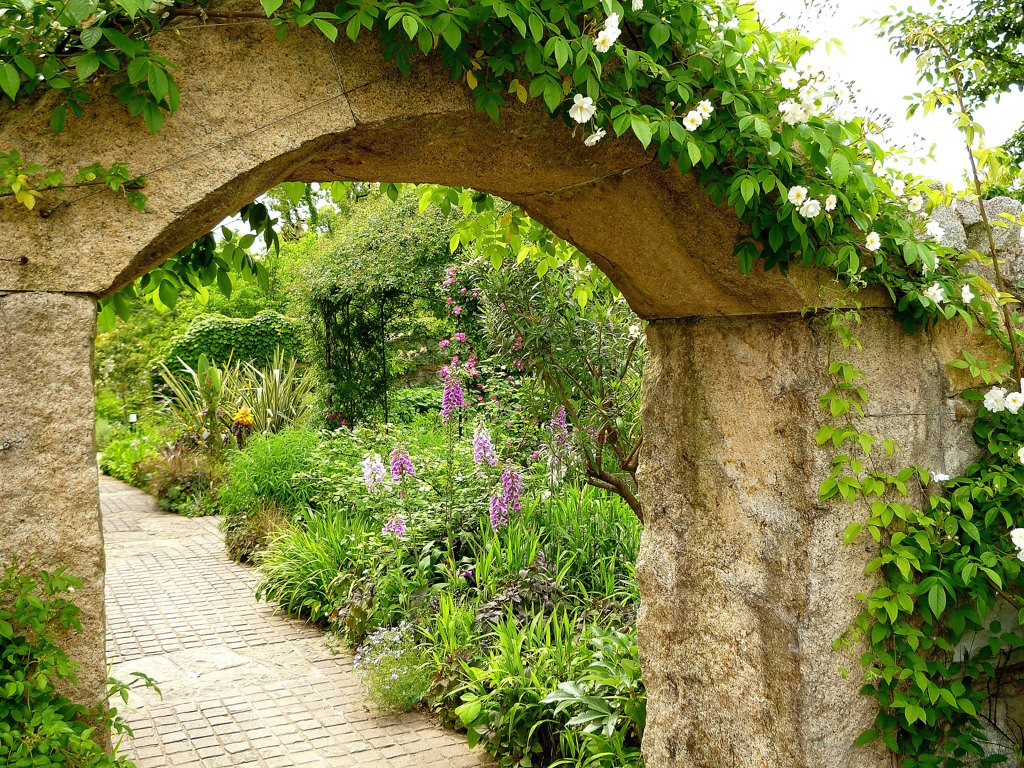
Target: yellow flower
x=243 y=416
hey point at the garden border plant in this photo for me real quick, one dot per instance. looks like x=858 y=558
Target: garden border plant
x=767 y=135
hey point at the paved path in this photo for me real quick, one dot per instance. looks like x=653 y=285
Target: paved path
x=242 y=686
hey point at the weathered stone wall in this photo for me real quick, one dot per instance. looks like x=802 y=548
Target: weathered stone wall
x=744 y=579
x=49 y=492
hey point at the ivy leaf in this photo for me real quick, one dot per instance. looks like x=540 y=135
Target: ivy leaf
x=10 y=82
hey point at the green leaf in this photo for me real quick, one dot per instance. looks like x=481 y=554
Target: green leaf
x=469 y=711
x=58 y=117
x=851 y=533
x=642 y=129
x=91 y=36
x=866 y=738
x=10 y=81
x=937 y=600
x=168 y=293
x=329 y=30
x=270 y=7
x=410 y=25
x=839 y=166
x=660 y=34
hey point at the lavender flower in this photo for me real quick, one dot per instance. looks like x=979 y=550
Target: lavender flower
x=559 y=431
x=395 y=526
x=511 y=487
x=483 y=448
x=508 y=501
x=499 y=514
x=452 y=398
x=373 y=471
x=401 y=464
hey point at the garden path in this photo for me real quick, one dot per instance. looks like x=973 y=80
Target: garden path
x=242 y=685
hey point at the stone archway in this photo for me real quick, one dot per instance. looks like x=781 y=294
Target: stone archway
x=744 y=580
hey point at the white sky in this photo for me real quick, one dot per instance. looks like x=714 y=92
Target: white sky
x=885 y=81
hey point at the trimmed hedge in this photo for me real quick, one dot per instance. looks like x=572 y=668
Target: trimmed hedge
x=251 y=340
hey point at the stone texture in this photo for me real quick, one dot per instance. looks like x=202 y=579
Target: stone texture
x=242 y=684
x=744 y=579
x=967 y=230
x=256 y=111
x=49 y=506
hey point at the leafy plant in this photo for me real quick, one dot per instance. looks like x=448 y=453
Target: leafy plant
x=257 y=340
x=200 y=400
x=39 y=724
x=122 y=456
x=277 y=395
x=608 y=702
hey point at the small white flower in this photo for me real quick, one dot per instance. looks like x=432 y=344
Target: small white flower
x=899 y=187
x=1017 y=537
x=967 y=294
x=582 y=108
x=71 y=590
x=595 y=137
x=934 y=230
x=936 y=293
x=638 y=5
x=612 y=22
x=939 y=477
x=805 y=66
x=693 y=120
x=705 y=108
x=1014 y=401
x=916 y=204
x=1020 y=552
x=606 y=39
x=995 y=400
x=873 y=241
x=809 y=94
x=810 y=209
x=789 y=79
x=840 y=91
x=830 y=203
x=1020 y=457
x=878 y=168
x=634 y=331
x=845 y=113
x=797 y=195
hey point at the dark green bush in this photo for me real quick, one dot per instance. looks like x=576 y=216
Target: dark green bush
x=243 y=340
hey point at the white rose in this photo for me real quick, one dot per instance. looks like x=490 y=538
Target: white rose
x=797 y=195
x=582 y=108
x=1014 y=401
x=916 y=204
x=967 y=294
x=1017 y=536
x=873 y=241
x=936 y=293
x=940 y=477
x=995 y=400
x=810 y=209
x=830 y=203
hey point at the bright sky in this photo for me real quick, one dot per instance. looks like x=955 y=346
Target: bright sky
x=885 y=81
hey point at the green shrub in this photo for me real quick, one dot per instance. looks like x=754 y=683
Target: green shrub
x=183 y=480
x=242 y=340
x=122 y=456
x=39 y=725
x=267 y=474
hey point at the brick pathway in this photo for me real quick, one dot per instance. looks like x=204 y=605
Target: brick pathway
x=242 y=686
